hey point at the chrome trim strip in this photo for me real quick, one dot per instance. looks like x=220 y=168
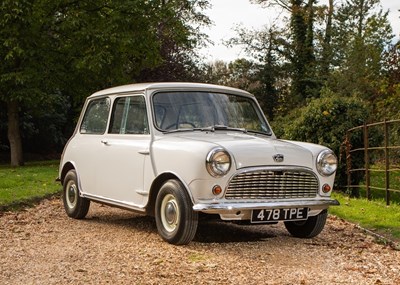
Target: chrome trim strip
x=320 y=203
x=277 y=168
x=116 y=203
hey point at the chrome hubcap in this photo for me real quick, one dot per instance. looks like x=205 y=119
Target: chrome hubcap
x=71 y=195
x=169 y=213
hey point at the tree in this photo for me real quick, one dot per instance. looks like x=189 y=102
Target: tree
x=387 y=104
x=217 y=72
x=22 y=71
x=303 y=60
x=326 y=56
x=178 y=37
x=299 y=47
x=240 y=73
x=362 y=33
x=325 y=120
x=269 y=49
x=68 y=49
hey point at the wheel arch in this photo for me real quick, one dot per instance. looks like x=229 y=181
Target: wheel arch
x=155 y=188
x=67 y=167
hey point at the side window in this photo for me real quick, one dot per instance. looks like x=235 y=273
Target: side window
x=95 y=118
x=129 y=116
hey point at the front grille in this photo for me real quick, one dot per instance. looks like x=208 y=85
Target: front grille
x=272 y=184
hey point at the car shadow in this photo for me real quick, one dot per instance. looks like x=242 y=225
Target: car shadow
x=125 y=219
x=217 y=231
x=209 y=231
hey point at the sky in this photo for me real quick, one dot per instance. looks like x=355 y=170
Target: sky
x=226 y=14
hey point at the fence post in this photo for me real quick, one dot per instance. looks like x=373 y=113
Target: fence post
x=348 y=161
x=387 y=173
x=366 y=161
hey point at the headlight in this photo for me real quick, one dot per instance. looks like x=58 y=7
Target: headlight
x=326 y=162
x=218 y=162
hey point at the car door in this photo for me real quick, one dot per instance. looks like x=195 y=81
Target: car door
x=125 y=153
x=87 y=145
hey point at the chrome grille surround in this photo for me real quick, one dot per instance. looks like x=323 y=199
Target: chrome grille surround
x=273 y=184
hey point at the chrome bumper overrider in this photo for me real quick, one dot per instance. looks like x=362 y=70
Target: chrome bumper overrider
x=229 y=206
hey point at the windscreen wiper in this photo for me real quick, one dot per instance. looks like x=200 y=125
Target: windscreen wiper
x=211 y=129
x=178 y=131
x=219 y=128
x=222 y=127
x=259 y=132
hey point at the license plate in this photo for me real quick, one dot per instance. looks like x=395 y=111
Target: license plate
x=275 y=215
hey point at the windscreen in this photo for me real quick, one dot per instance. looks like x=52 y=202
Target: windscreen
x=198 y=110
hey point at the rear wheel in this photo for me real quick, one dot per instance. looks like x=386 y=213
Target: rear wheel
x=75 y=206
x=308 y=228
x=176 y=221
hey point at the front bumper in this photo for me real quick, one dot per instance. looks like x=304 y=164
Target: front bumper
x=241 y=210
x=216 y=206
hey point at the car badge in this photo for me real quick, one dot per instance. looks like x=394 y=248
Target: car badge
x=278 y=157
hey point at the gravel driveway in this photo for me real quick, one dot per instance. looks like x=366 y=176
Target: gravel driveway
x=42 y=245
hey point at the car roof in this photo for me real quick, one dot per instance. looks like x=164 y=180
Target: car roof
x=169 y=86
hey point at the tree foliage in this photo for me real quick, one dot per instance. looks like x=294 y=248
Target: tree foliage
x=298 y=46
x=61 y=51
x=334 y=68
x=247 y=75
x=178 y=38
x=360 y=39
x=268 y=48
x=387 y=105
x=54 y=53
x=341 y=45
x=325 y=121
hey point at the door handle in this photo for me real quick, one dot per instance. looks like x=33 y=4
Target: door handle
x=105 y=142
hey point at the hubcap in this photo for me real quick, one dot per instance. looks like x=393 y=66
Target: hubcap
x=169 y=213
x=71 y=195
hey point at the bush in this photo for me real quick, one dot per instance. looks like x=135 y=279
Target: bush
x=325 y=121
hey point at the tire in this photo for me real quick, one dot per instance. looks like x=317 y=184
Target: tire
x=75 y=206
x=308 y=228
x=176 y=221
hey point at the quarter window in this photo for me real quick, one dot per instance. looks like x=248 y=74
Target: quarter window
x=129 y=116
x=96 y=116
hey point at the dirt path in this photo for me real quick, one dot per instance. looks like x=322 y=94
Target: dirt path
x=42 y=245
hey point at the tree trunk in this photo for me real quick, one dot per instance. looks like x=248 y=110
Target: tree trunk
x=326 y=47
x=14 y=135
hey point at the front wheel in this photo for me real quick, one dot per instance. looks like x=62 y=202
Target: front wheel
x=75 y=206
x=308 y=228
x=176 y=221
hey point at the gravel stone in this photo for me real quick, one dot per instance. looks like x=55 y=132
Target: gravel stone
x=41 y=245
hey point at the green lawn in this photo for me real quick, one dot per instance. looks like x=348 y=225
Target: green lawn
x=29 y=183
x=373 y=215
x=377 y=179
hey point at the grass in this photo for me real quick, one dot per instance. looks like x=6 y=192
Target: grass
x=373 y=215
x=377 y=179
x=27 y=184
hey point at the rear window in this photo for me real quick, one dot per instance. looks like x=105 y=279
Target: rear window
x=96 y=116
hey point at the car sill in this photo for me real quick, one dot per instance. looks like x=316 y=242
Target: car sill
x=115 y=203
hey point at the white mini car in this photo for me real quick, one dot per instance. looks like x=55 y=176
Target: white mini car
x=175 y=150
